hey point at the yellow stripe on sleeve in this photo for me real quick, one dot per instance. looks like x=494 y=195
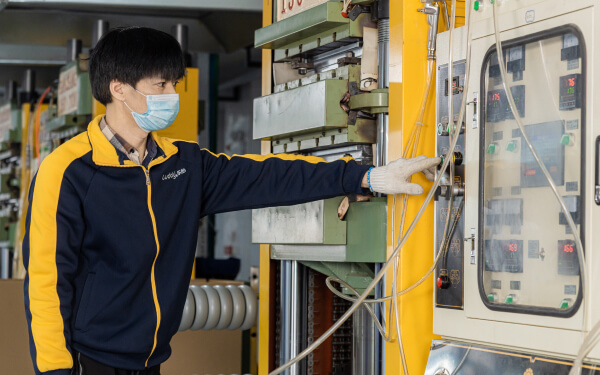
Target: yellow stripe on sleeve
x=47 y=327
x=287 y=157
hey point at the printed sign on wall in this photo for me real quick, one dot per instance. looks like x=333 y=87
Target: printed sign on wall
x=5 y=121
x=68 y=91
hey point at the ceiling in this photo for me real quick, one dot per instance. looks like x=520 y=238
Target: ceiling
x=34 y=33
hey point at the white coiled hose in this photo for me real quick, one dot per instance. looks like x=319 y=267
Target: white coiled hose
x=219 y=307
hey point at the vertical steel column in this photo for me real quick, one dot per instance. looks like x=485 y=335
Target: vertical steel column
x=379 y=350
x=383 y=79
x=293 y=326
x=5 y=263
x=363 y=344
x=99 y=28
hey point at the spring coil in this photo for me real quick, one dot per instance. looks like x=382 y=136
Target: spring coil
x=219 y=307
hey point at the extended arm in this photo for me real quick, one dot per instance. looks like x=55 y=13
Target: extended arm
x=254 y=181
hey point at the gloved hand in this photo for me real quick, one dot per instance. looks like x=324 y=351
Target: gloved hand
x=393 y=178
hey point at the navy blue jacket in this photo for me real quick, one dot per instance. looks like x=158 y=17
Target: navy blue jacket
x=110 y=245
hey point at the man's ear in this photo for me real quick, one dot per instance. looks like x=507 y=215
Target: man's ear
x=116 y=90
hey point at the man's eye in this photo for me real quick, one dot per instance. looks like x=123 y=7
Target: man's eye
x=161 y=84
x=175 y=83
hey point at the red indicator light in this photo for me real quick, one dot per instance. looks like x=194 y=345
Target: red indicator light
x=568 y=248
x=530 y=172
x=571 y=82
x=512 y=247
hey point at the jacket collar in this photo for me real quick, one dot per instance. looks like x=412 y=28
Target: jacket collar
x=105 y=154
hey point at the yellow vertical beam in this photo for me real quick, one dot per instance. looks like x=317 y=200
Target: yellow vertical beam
x=408 y=71
x=264 y=308
x=185 y=125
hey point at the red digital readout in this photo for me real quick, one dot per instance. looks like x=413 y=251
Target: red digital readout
x=495 y=97
x=530 y=172
x=572 y=82
x=568 y=248
x=512 y=247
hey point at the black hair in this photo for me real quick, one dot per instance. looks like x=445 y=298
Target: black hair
x=132 y=54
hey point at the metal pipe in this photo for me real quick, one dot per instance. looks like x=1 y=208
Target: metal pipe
x=180 y=32
x=11 y=90
x=99 y=28
x=285 y=293
x=379 y=350
x=363 y=343
x=73 y=49
x=5 y=263
x=293 y=302
x=27 y=87
x=383 y=80
x=294 y=306
x=28 y=83
x=433 y=16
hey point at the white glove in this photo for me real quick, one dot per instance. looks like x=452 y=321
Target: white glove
x=393 y=178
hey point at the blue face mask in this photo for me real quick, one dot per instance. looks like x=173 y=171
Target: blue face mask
x=162 y=111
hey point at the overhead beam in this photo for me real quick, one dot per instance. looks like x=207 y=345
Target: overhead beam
x=197 y=5
x=27 y=54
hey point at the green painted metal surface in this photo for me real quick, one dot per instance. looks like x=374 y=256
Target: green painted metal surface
x=64 y=122
x=373 y=102
x=310 y=22
x=347 y=32
x=334 y=229
x=367 y=226
x=357 y=275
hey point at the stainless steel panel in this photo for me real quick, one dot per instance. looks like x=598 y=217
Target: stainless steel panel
x=305 y=109
x=299 y=224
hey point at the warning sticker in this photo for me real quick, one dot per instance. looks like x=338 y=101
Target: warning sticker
x=5 y=121
x=68 y=89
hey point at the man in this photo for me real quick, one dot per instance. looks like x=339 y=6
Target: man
x=113 y=216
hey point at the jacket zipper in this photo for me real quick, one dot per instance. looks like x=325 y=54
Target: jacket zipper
x=152 y=278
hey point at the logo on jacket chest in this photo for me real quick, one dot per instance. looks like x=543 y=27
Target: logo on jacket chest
x=173 y=175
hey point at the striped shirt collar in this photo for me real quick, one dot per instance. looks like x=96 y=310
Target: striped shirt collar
x=127 y=149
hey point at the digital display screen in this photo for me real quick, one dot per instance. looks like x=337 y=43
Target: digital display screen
x=568 y=260
x=455 y=86
x=504 y=256
x=496 y=106
x=518 y=93
x=546 y=140
x=570 y=92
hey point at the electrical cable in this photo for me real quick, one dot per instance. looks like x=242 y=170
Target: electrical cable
x=399 y=246
x=462 y=361
x=576 y=369
x=38 y=113
x=379 y=326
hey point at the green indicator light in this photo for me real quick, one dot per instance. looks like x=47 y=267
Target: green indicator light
x=565 y=140
x=491 y=297
x=476 y=5
x=512 y=146
x=491 y=148
x=509 y=299
x=565 y=303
